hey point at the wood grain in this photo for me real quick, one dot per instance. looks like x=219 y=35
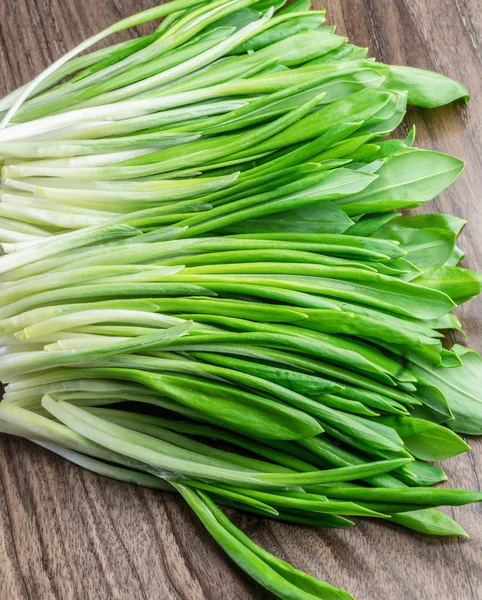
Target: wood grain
x=67 y=534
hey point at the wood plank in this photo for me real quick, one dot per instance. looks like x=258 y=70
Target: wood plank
x=68 y=534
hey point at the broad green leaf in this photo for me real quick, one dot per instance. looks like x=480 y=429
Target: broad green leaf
x=425 y=247
x=435 y=406
x=429 y=521
x=425 y=88
x=421 y=474
x=462 y=387
x=425 y=440
x=406 y=180
x=446 y=222
x=458 y=284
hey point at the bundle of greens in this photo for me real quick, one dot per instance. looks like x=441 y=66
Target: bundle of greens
x=205 y=285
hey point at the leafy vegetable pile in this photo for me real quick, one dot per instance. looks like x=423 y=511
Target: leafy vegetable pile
x=198 y=228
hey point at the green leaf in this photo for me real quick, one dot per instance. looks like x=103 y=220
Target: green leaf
x=29 y=362
x=232 y=407
x=280 y=32
x=170 y=431
x=296 y=6
x=302 y=47
x=389 y=147
x=374 y=400
x=458 y=284
x=446 y=222
x=353 y=108
x=421 y=474
x=435 y=406
x=346 y=405
x=159 y=455
x=355 y=285
x=264 y=5
x=350 y=247
x=238 y=19
x=389 y=117
x=303 y=501
x=343 y=53
x=429 y=521
x=356 y=355
x=325 y=217
x=293 y=380
x=418 y=496
x=426 y=248
x=425 y=88
x=406 y=180
x=378 y=326
x=425 y=440
x=270 y=572
x=455 y=258
x=255 y=311
x=325 y=186
x=368 y=225
x=360 y=471
x=462 y=387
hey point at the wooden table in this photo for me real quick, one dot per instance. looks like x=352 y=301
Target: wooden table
x=68 y=534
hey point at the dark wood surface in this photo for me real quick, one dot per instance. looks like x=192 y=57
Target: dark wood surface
x=68 y=534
